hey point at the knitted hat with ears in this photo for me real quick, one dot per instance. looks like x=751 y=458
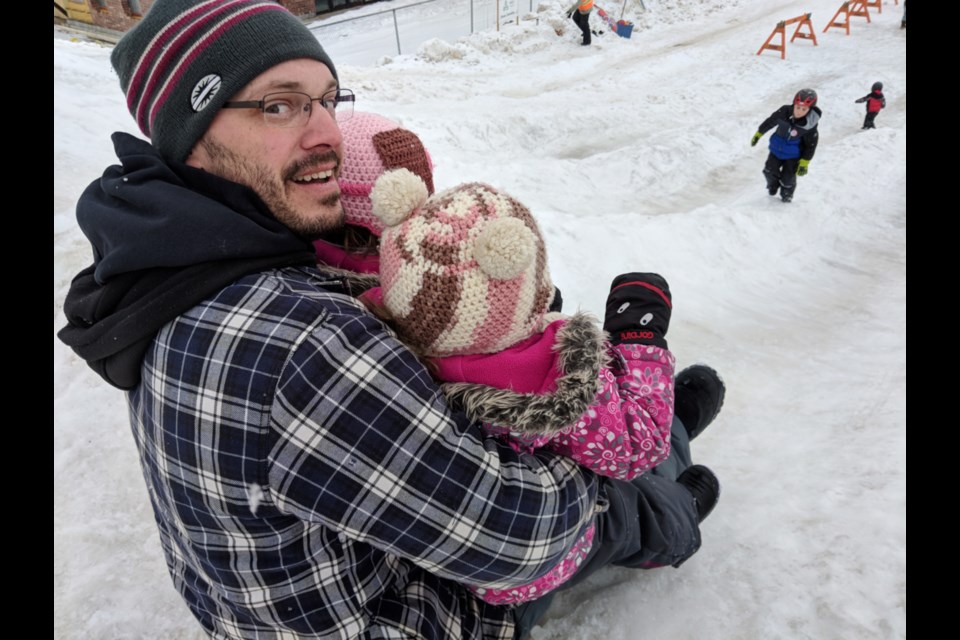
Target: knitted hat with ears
x=462 y=272
x=372 y=145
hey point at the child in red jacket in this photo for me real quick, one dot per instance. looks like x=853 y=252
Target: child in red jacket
x=875 y=101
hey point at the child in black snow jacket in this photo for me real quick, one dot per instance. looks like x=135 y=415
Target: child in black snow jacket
x=875 y=101
x=792 y=144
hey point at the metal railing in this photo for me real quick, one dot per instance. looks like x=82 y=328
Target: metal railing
x=484 y=15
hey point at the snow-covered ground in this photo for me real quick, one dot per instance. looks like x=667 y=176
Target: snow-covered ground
x=634 y=154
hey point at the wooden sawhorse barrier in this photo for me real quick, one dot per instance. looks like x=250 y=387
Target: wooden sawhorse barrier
x=878 y=4
x=851 y=9
x=781 y=29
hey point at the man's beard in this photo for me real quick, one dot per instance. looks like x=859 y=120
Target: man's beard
x=232 y=166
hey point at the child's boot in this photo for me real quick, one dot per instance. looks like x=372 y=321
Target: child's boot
x=773 y=184
x=704 y=486
x=699 y=394
x=786 y=192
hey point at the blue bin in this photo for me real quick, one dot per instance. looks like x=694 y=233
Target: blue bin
x=624 y=29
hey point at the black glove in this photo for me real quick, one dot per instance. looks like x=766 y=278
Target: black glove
x=638 y=309
x=860 y=100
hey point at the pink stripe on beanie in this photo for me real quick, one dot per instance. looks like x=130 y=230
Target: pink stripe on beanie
x=374 y=144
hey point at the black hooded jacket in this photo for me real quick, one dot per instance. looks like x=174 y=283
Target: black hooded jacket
x=794 y=137
x=164 y=238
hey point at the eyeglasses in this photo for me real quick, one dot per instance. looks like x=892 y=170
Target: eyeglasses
x=293 y=108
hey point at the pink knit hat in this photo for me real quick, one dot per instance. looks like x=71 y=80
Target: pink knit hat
x=462 y=272
x=373 y=144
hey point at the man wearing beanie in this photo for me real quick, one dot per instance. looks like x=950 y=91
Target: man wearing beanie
x=307 y=478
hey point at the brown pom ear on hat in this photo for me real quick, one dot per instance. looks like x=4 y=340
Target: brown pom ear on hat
x=505 y=248
x=396 y=194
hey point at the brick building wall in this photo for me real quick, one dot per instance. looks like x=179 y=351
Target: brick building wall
x=301 y=7
x=117 y=15
x=122 y=15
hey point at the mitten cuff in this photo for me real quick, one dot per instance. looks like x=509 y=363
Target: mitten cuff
x=660 y=291
x=638 y=336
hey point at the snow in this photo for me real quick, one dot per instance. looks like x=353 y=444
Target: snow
x=634 y=155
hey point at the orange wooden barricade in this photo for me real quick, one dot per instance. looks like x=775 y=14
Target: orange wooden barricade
x=853 y=8
x=875 y=4
x=781 y=30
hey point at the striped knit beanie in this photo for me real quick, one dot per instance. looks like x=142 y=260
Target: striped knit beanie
x=186 y=58
x=463 y=271
x=373 y=145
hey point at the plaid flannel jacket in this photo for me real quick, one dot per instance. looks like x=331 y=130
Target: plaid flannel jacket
x=309 y=481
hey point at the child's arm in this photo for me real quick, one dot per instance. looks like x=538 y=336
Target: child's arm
x=770 y=123
x=627 y=430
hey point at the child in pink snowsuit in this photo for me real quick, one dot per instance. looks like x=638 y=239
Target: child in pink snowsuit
x=555 y=388
x=464 y=282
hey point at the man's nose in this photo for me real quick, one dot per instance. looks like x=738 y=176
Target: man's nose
x=320 y=130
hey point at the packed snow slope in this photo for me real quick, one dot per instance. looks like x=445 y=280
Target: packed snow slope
x=634 y=155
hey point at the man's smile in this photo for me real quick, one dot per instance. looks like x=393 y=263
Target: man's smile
x=321 y=176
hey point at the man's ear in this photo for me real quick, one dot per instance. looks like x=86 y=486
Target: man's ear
x=199 y=157
x=195 y=159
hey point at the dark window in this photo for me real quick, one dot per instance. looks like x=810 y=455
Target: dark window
x=325 y=6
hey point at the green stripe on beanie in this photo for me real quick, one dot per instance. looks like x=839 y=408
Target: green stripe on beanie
x=186 y=58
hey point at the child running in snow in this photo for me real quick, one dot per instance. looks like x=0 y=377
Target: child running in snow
x=875 y=101
x=464 y=282
x=792 y=144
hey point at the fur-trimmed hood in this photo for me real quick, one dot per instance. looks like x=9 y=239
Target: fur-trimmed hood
x=576 y=349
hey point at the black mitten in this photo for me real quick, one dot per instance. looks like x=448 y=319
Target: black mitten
x=638 y=309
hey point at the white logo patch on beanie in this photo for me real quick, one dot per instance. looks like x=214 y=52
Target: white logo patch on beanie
x=204 y=91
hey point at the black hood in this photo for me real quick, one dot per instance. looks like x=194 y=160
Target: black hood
x=148 y=213
x=165 y=237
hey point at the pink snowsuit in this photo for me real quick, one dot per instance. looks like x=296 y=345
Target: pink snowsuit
x=622 y=396
x=567 y=390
